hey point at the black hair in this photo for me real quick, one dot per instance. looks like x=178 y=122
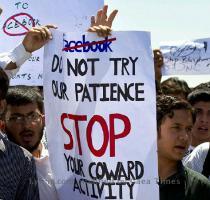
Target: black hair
x=4 y=84
x=166 y=106
x=205 y=85
x=175 y=86
x=199 y=95
x=22 y=95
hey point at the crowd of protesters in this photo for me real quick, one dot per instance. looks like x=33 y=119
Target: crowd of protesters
x=183 y=128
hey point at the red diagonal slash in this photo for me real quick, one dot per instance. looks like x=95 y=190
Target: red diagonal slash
x=14 y=18
x=89 y=44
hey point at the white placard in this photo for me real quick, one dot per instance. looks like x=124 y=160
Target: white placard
x=101 y=116
x=186 y=57
x=19 y=16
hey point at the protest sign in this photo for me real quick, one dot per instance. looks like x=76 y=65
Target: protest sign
x=101 y=115
x=20 y=16
x=186 y=57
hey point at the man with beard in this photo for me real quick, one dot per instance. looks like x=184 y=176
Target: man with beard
x=17 y=169
x=24 y=125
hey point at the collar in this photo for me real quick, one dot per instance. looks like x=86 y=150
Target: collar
x=43 y=152
x=3 y=137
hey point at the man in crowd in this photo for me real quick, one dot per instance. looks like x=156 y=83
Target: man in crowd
x=24 y=114
x=175 y=120
x=24 y=125
x=17 y=169
x=17 y=172
x=199 y=158
x=200 y=100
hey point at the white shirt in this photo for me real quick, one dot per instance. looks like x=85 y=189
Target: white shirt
x=189 y=151
x=18 y=55
x=197 y=158
x=47 y=190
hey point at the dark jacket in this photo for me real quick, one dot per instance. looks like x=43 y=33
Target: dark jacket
x=186 y=184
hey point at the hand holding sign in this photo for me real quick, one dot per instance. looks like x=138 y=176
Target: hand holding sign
x=37 y=37
x=101 y=24
x=158 y=63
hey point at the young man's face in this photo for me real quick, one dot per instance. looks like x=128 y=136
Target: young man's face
x=201 y=128
x=175 y=135
x=24 y=125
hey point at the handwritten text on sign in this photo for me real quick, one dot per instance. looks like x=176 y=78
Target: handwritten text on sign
x=99 y=90
x=20 y=16
x=189 y=57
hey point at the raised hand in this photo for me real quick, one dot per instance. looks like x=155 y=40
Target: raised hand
x=37 y=37
x=101 y=24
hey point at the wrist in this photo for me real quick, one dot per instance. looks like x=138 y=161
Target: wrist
x=19 y=55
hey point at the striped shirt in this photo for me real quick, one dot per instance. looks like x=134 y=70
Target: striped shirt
x=18 y=179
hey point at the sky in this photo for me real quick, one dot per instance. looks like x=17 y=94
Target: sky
x=166 y=20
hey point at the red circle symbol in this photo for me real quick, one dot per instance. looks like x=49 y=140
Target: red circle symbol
x=22 y=28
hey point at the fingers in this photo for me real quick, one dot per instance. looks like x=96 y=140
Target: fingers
x=98 y=18
x=42 y=31
x=101 y=31
x=105 y=31
x=92 y=20
x=104 y=15
x=47 y=27
x=158 y=58
x=101 y=18
x=101 y=24
x=51 y=26
x=111 y=18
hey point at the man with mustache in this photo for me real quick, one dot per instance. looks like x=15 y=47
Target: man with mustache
x=24 y=119
x=17 y=169
x=24 y=125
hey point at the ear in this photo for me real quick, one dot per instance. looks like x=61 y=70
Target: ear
x=3 y=105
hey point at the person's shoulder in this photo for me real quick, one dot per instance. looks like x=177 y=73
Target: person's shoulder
x=204 y=147
x=194 y=177
x=198 y=156
x=12 y=150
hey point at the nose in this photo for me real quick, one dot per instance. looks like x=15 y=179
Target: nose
x=27 y=123
x=204 y=118
x=185 y=135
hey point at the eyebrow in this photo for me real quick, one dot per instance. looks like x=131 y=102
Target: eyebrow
x=19 y=114
x=177 y=124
